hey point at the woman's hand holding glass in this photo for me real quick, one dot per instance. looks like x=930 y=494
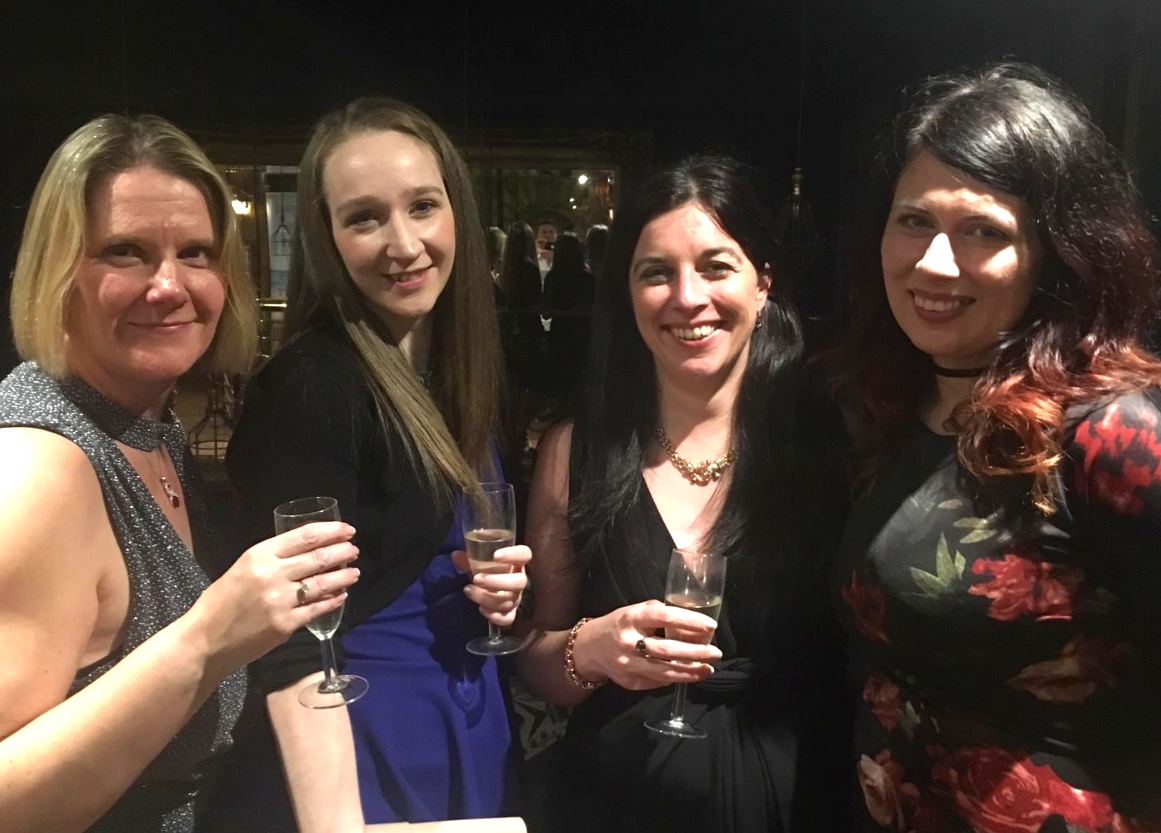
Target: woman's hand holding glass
x=622 y=646
x=498 y=594
x=259 y=602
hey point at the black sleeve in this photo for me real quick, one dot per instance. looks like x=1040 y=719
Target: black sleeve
x=304 y=422
x=1115 y=497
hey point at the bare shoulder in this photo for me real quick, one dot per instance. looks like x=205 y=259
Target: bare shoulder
x=49 y=497
x=42 y=470
x=56 y=547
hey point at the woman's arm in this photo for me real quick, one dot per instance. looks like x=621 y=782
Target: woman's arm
x=54 y=566
x=605 y=648
x=318 y=756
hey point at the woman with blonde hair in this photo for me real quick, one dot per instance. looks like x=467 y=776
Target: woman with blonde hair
x=124 y=663
x=386 y=397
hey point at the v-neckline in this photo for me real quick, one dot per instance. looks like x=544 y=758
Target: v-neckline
x=657 y=512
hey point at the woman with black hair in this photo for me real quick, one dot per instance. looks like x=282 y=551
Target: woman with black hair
x=596 y=246
x=695 y=356
x=520 y=277
x=568 y=301
x=998 y=578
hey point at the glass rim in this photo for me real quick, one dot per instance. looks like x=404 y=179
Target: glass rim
x=296 y=508
x=491 y=487
x=684 y=551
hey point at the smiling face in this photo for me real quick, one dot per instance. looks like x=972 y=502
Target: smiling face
x=147 y=294
x=696 y=297
x=959 y=261
x=392 y=224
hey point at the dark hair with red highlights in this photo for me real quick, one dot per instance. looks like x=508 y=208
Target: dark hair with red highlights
x=1082 y=337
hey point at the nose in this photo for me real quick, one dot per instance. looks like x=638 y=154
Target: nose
x=939 y=259
x=400 y=240
x=166 y=287
x=689 y=290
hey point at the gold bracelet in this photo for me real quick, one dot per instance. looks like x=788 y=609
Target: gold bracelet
x=570 y=665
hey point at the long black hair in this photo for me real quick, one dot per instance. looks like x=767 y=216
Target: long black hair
x=616 y=415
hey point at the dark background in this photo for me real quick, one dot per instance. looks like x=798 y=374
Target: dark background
x=712 y=75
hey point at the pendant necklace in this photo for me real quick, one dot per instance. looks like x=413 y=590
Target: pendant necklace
x=170 y=493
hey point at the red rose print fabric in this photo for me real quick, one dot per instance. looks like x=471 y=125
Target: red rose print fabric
x=1010 y=661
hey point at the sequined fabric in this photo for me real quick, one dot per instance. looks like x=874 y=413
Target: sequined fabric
x=164 y=577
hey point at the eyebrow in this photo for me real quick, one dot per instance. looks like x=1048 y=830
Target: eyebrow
x=141 y=242
x=655 y=260
x=370 y=199
x=1000 y=214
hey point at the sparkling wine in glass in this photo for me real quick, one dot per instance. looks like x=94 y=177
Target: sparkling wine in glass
x=489 y=524
x=334 y=689
x=696 y=581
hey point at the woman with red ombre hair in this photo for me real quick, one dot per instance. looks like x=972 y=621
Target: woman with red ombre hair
x=999 y=575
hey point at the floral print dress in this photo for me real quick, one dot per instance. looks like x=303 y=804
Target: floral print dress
x=1007 y=663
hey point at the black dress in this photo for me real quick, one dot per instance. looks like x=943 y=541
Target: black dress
x=760 y=708
x=1010 y=662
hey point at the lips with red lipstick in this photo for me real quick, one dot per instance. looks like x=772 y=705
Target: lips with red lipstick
x=938 y=307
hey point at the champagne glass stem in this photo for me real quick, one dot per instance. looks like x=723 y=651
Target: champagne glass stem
x=677 y=710
x=329 y=664
x=494 y=632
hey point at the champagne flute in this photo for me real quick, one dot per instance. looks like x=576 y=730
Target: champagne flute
x=334 y=689
x=489 y=524
x=696 y=581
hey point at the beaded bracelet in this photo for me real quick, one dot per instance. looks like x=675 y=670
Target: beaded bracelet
x=570 y=666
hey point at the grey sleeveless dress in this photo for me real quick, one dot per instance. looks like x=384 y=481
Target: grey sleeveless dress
x=164 y=579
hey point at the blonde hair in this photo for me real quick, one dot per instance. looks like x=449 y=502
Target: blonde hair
x=448 y=429
x=54 y=237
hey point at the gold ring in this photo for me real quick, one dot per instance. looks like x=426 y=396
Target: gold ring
x=642 y=651
x=303 y=592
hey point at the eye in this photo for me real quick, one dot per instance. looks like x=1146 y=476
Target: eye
x=199 y=256
x=989 y=233
x=425 y=208
x=653 y=275
x=123 y=254
x=717 y=269
x=913 y=221
x=361 y=220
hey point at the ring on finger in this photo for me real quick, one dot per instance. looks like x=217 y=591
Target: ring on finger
x=641 y=649
x=303 y=592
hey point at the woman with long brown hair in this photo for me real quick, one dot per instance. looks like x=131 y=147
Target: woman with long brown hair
x=998 y=578
x=386 y=398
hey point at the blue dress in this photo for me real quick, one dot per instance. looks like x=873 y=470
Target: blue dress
x=434 y=725
x=432 y=735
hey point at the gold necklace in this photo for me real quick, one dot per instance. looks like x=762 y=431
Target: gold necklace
x=699 y=474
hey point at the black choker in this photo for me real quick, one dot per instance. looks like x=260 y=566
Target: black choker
x=964 y=373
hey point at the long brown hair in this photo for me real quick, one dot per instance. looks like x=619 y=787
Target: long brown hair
x=1083 y=335
x=450 y=428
